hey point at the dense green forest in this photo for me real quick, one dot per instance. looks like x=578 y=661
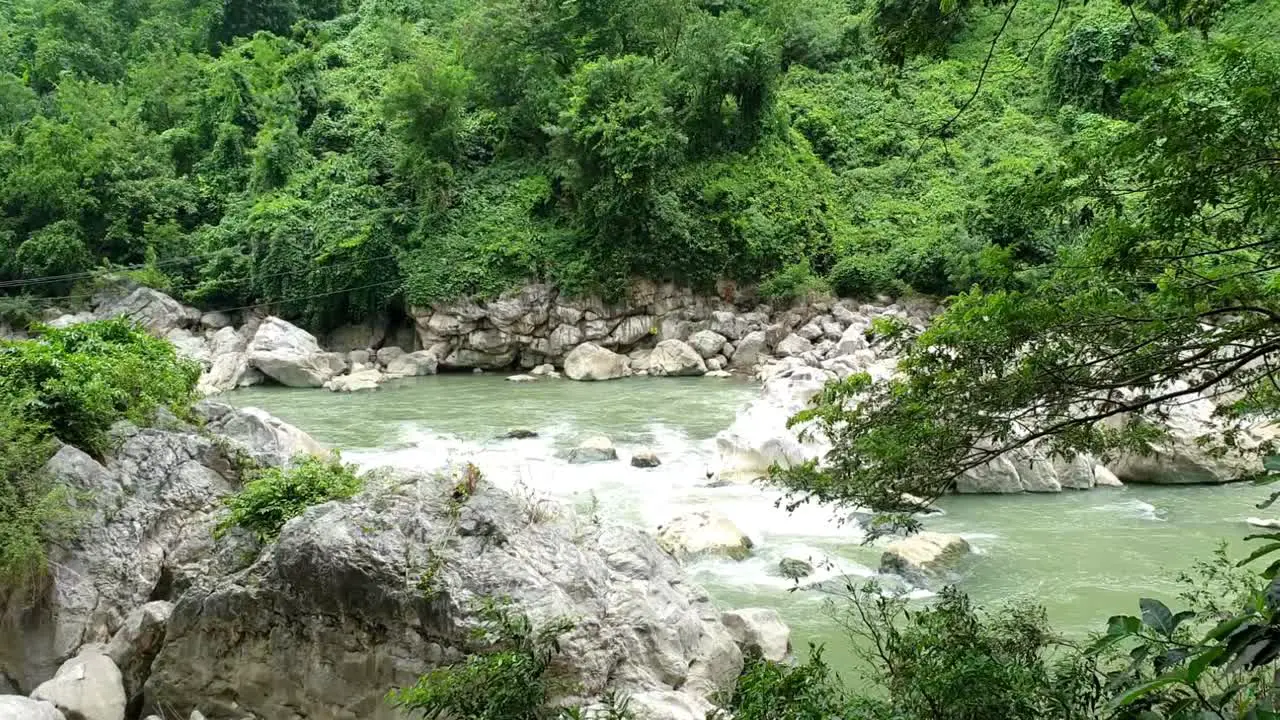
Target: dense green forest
x=340 y=157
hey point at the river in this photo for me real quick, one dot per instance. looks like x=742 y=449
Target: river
x=1083 y=555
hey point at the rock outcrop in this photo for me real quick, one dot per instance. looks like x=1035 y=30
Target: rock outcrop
x=365 y=595
x=146 y=520
x=17 y=707
x=597 y=448
x=675 y=358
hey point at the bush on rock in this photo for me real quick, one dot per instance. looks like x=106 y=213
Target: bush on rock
x=276 y=495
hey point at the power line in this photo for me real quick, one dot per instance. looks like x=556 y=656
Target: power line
x=24 y=282
x=196 y=283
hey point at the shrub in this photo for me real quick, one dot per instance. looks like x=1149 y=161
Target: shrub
x=504 y=680
x=82 y=379
x=33 y=509
x=18 y=311
x=273 y=496
x=793 y=282
x=862 y=276
x=775 y=691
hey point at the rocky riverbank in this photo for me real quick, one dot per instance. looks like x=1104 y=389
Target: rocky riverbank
x=146 y=612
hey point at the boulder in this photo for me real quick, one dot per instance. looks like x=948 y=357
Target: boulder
x=154 y=310
x=727 y=324
x=66 y=321
x=811 y=332
x=1182 y=458
x=704 y=533
x=589 y=361
x=1103 y=477
x=189 y=346
x=793 y=345
x=289 y=355
x=544 y=370
x=215 y=320
x=17 y=707
x=388 y=355
x=749 y=351
x=707 y=343
x=136 y=643
x=227 y=372
x=645 y=459
x=925 y=558
x=832 y=330
x=521 y=378
x=359 y=381
x=675 y=358
x=414 y=364
x=266 y=439
x=86 y=687
x=852 y=340
x=361 y=596
x=759 y=631
x=722 y=374
x=597 y=448
x=716 y=363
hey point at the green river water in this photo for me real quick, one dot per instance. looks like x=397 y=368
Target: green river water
x=1083 y=555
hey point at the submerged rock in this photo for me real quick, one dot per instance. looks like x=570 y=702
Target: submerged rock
x=518 y=434
x=924 y=558
x=794 y=568
x=704 y=533
x=645 y=459
x=521 y=378
x=594 y=449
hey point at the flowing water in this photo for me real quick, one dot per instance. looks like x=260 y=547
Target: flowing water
x=1083 y=555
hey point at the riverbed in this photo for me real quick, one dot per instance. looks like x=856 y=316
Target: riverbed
x=1083 y=555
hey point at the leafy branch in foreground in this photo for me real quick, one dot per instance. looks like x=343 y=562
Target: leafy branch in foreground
x=1170 y=293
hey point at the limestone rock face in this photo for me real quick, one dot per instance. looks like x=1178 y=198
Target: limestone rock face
x=924 y=558
x=289 y=355
x=704 y=533
x=159 y=490
x=136 y=643
x=589 y=361
x=345 y=605
x=675 y=358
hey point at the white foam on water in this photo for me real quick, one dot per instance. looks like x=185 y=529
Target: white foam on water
x=1134 y=508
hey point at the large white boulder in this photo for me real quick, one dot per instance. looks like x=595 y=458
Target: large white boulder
x=589 y=361
x=675 y=358
x=926 y=557
x=760 y=631
x=86 y=687
x=708 y=343
x=422 y=362
x=289 y=355
x=359 y=381
x=704 y=533
x=17 y=707
x=154 y=310
x=262 y=436
x=750 y=350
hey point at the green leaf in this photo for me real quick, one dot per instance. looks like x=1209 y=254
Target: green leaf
x=1147 y=688
x=1225 y=628
x=1197 y=666
x=1157 y=616
x=1123 y=625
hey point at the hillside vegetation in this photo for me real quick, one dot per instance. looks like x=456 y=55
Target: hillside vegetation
x=342 y=157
